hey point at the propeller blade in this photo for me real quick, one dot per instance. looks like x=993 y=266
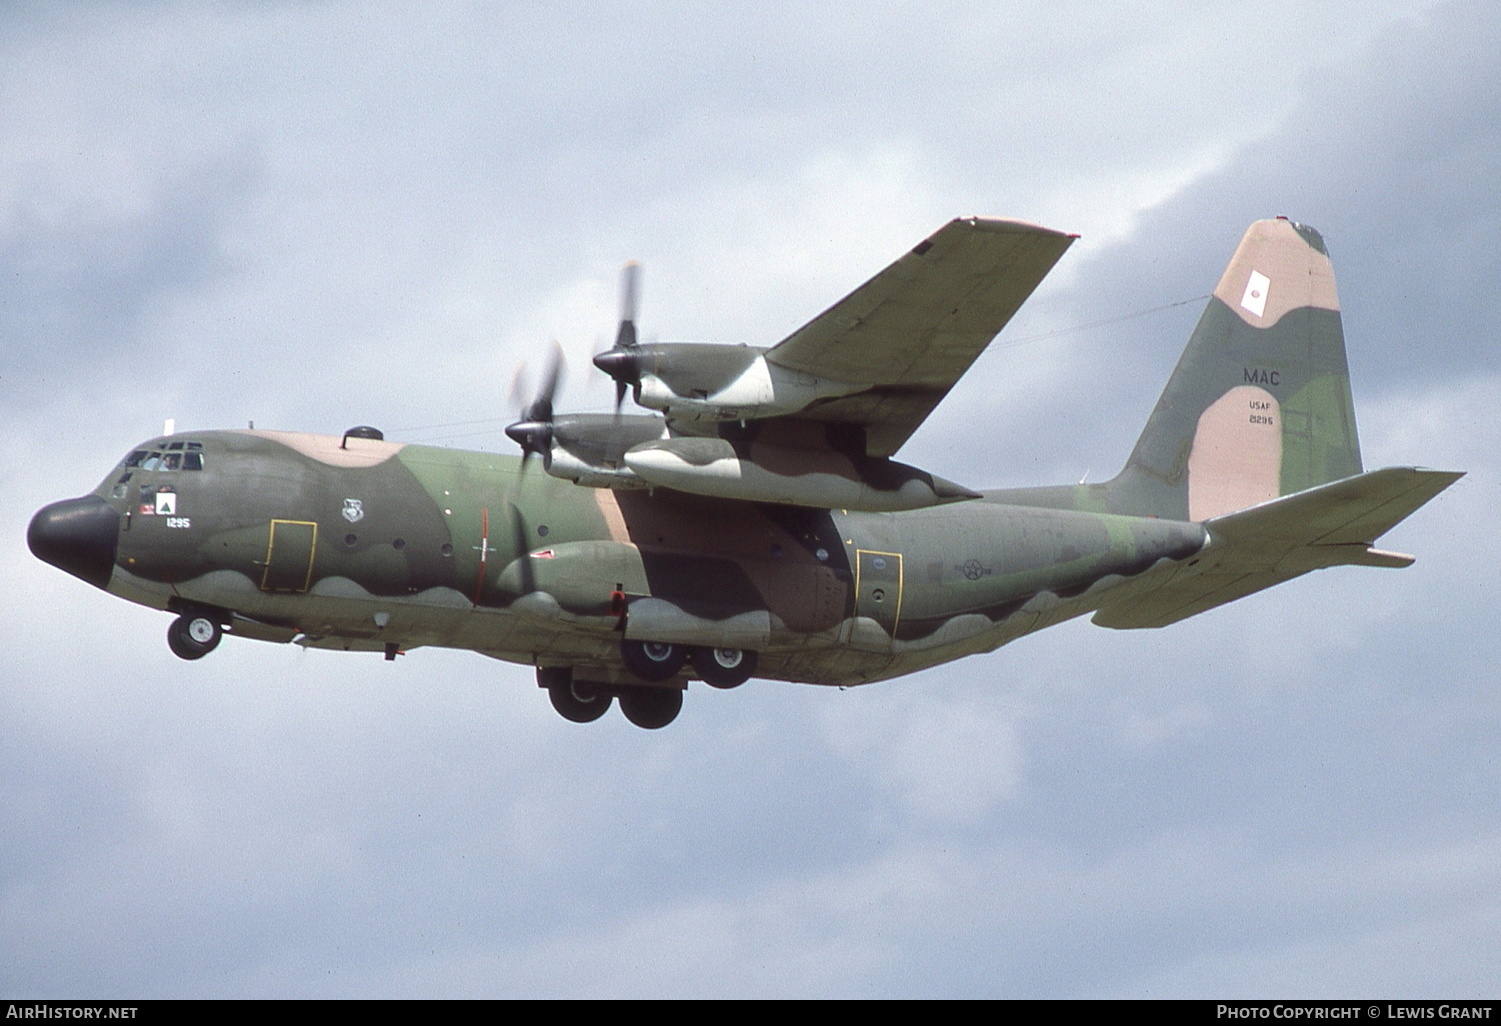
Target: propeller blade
x=521 y=390
x=541 y=407
x=630 y=294
x=623 y=361
x=533 y=432
x=555 y=371
x=522 y=543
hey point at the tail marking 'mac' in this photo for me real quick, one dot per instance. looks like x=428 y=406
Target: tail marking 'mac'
x=1259 y=406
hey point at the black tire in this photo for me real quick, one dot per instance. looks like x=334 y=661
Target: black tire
x=651 y=708
x=653 y=660
x=570 y=706
x=193 y=635
x=579 y=701
x=723 y=667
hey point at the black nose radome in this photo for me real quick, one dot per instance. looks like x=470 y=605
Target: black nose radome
x=77 y=535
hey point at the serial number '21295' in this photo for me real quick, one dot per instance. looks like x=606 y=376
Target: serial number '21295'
x=180 y=522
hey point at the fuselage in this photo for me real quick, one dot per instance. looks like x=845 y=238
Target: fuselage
x=364 y=544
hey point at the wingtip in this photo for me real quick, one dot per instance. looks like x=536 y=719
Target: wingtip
x=1014 y=225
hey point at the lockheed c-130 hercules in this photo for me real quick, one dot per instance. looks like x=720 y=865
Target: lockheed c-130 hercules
x=758 y=526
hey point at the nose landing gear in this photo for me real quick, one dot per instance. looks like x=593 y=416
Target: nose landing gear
x=194 y=635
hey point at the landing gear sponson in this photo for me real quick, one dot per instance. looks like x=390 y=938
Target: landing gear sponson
x=197 y=632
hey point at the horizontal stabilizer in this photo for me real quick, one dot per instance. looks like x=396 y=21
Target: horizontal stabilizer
x=1333 y=524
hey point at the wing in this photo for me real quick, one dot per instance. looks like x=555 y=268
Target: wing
x=915 y=328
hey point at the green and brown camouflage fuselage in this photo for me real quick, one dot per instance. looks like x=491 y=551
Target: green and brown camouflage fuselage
x=360 y=544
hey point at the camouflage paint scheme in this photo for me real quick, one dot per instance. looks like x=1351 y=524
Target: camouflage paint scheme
x=554 y=553
x=1248 y=473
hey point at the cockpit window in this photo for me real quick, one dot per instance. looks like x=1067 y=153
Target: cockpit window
x=178 y=456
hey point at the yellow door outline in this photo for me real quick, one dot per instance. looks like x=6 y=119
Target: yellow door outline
x=307 y=578
x=896 y=615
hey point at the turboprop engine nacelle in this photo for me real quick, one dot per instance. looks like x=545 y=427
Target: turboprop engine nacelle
x=700 y=381
x=781 y=474
x=589 y=448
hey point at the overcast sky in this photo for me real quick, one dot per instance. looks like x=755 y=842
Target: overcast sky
x=315 y=215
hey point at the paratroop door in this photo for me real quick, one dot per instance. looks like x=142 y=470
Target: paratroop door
x=289 y=555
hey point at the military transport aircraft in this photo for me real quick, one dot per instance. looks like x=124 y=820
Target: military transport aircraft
x=759 y=526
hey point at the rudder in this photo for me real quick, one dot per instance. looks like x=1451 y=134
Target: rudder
x=1259 y=405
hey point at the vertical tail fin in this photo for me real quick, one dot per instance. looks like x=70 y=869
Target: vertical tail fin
x=1259 y=405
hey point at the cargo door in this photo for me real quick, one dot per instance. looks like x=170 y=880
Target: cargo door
x=289 y=556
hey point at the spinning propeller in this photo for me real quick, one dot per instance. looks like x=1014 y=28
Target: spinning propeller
x=533 y=432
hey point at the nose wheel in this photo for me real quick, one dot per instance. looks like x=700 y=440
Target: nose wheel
x=193 y=635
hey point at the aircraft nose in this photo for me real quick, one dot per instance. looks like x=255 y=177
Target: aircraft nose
x=77 y=535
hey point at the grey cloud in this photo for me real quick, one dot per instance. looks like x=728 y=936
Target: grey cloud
x=77 y=305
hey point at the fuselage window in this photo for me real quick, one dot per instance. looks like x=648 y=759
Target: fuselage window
x=192 y=460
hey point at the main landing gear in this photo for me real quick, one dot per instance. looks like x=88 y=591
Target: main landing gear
x=648 y=706
x=653 y=660
x=723 y=667
x=651 y=708
x=194 y=635
x=581 y=701
x=584 y=701
x=661 y=660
